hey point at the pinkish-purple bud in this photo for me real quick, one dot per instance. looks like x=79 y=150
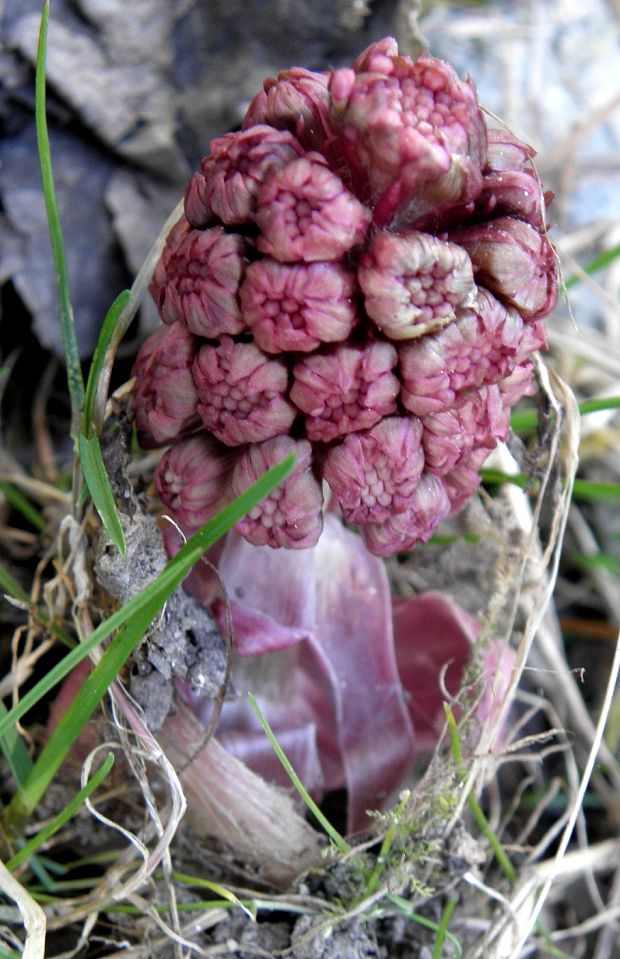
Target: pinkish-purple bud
x=346 y=388
x=462 y=482
x=193 y=479
x=518 y=384
x=291 y=516
x=305 y=212
x=233 y=172
x=196 y=203
x=411 y=133
x=374 y=473
x=476 y=421
x=428 y=506
x=296 y=307
x=482 y=346
x=377 y=57
x=515 y=192
x=514 y=261
x=160 y=276
x=413 y=283
x=506 y=152
x=202 y=281
x=297 y=100
x=241 y=393
x=164 y=398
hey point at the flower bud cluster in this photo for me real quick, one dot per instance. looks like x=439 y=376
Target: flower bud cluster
x=360 y=276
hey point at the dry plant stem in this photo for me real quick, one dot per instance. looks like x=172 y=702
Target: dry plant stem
x=32 y=914
x=533 y=891
x=153 y=753
x=607 y=937
x=563 y=403
x=278 y=840
x=138 y=291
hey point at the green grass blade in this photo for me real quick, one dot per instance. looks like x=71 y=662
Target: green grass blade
x=333 y=833
x=599 y=262
x=216 y=888
x=100 y=357
x=494 y=477
x=405 y=907
x=11 y=587
x=527 y=420
x=174 y=572
x=74 y=371
x=588 y=492
x=584 y=491
x=80 y=710
x=64 y=816
x=610 y=564
x=18 y=501
x=98 y=482
x=474 y=807
x=15 y=752
x=442 y=929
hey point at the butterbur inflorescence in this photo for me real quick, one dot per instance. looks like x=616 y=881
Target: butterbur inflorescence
x=360 y=275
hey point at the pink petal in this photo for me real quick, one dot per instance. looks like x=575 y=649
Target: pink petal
x=164 y=400
x=413 y=283
x=193 y=479
x=202 y=279
x=482 y=346
x=411 y=134
x=241 y=392
x=298 y=306
x=514 y=261
x=234 y=171
x=305 y=212
x=297 y=100
x=374 y=473
x=346 y=388
x=291 y=516
x=429 y=505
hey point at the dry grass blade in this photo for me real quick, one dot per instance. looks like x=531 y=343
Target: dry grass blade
x=32 y=914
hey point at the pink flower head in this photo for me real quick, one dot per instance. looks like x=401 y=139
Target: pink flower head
x=514 y=261
x=476 y=421
x=481 y=347
x=193 y=479
x=346 y=388
x=297 y=100
x=296 y=307
x=202 y=280
x=366 y=273
x=305 y=212
x=428 y=505
x=374 y=473
x=411 y=133
x=241 y=393
x=233 y=172
x=413 y=283
x=164 y=400
x=291 y=516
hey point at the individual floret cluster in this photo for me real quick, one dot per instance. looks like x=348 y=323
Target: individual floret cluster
x=360 y=276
